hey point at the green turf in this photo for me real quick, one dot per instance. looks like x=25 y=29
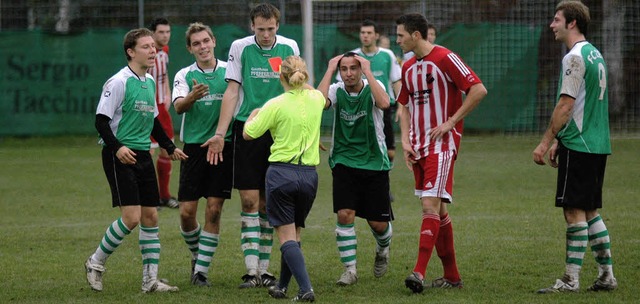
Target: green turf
x=55 y=207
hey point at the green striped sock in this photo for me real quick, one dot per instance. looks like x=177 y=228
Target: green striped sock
x=347 y=244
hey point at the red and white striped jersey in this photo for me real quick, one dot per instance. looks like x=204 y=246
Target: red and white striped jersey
x=432 y=88
x=161 y=75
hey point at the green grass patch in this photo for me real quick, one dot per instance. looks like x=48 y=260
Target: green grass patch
x=55 y=206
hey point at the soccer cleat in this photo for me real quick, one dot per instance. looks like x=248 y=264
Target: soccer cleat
x=277 y=292
x=381 y=262
x=561 y=286
x=171 y=202
x=602 y=284
x=94 y=274
x=347 y=278
x=199 y=279
x=157 y=286
x=444 y=283
x=414 y=282
x=268 y=280
x=250 y=281
x=308 y=296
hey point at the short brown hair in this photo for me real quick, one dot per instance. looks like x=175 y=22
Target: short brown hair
x=575 y=10
x=197 y=27
x=131 y=39
x=266 y=11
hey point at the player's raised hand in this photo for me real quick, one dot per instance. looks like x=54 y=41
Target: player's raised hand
x=333 y=62
x=199 y=90
x=365 y=65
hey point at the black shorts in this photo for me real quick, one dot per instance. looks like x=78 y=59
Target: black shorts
x=365 y=191
x=580 y=179
x=131 y=185
x=389 y=137
x=199 y=179
x=290 y=192
x=250 y=158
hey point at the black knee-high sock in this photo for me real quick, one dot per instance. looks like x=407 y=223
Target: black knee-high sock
x=292 y=255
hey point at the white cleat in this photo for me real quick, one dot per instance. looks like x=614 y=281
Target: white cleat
x=94 y=274
x=157 y=286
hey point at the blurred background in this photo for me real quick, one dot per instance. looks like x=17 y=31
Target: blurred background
x=55 y=55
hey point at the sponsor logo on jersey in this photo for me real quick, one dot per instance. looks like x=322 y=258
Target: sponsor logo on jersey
x=107 y=93
x=349 y=118
x=263 y=73
x=142 y=106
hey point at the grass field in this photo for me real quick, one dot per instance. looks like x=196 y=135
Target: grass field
x=55 y=207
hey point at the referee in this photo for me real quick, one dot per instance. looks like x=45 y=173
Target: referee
x=293 y=118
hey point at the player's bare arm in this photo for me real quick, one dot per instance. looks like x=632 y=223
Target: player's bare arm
x=381 y=97
x=250 y=118
x=216 y=143
x=323 y=87
x=183 y=104
x=410 y=156
x=476 y=93
x=559 y=118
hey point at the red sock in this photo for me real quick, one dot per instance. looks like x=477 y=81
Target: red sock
x=164 y=174
x=428 y=235
x=446 y=250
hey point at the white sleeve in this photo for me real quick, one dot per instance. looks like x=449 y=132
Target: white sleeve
x=234 y=64
x=573 y=70
x=111 y=98
x=180 y=85
x=396 y=71
x=373 y=98
x=331 y=95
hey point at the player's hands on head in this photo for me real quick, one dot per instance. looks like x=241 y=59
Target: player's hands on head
x=333 y=62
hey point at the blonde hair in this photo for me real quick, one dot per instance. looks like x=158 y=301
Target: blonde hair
x=294 y=71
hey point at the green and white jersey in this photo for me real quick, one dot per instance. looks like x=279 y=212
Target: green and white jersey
x=584 y=77
x=255 y=68
x=200 y=121
x=358 y=139
x=385 y=67
x=130 y=102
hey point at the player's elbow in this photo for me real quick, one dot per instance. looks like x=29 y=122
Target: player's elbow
x=246 y=136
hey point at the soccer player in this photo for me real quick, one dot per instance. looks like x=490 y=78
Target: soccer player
x=577 y=141
x=252 y=80
x=432 y=33
x=197 y=95
x=293 y=119
x=432 y=85
x=125 y=118
x=161 y=34
x=385 y=68
x=358 y=159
